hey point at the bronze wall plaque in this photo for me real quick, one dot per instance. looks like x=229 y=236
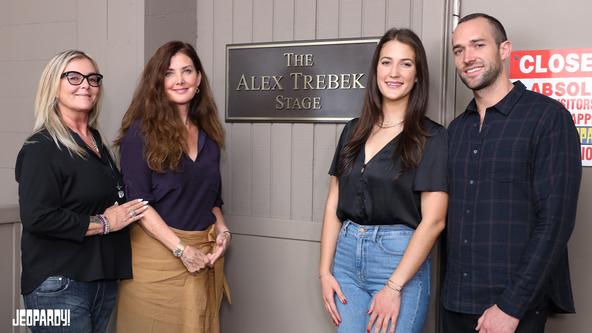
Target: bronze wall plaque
x=308 y=81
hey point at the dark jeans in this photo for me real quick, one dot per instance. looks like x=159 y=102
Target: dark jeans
x=90 y=303
x=533 y=321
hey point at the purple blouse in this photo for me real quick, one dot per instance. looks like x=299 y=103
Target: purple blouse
x=184 y=198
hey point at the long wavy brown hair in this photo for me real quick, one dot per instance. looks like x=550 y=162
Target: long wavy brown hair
x=163 y=130
x=411 y=140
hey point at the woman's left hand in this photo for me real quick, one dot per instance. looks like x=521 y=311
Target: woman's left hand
x=222 y=243
x=384 y=309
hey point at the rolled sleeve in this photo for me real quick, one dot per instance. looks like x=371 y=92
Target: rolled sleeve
x=137 y=176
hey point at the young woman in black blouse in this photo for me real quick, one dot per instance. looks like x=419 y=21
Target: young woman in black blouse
x=75 y=244
x=387 y=198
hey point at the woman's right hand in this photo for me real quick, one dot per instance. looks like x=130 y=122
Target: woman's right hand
x=330 y=287
x=120 y=216
x=193 y=259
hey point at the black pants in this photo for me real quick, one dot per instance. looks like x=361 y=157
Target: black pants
x=533 y=321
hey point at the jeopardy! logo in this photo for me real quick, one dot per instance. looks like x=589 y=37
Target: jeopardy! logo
x=41 y=317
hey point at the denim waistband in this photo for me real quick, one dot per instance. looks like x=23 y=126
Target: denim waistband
x=371 y=231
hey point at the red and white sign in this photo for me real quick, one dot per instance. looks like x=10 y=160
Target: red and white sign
x=564 y=75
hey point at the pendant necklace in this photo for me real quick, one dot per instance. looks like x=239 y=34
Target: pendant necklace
x=120 y=193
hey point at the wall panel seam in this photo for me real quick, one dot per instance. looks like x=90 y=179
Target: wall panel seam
x=411 y=16
x=363 y=11
x=386 y=11
x=316 y=18
x=272 y=20
x=252 y=24
x=251 y=139
x=275 y=237
x=293 y=19
x=9 y=25
x=339 y=18
x=77 y=25
x=291 y=169
x=270 y=212
x=107 y=20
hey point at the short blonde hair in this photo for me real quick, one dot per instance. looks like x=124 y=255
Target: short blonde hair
x=47 y=113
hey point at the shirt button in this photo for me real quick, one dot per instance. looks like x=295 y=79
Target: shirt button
x=468 y=211
x=465 y=241
x=475 y=151
x=471 y=182
x=465 y=274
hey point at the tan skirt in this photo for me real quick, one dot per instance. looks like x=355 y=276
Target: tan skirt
x=163 y=296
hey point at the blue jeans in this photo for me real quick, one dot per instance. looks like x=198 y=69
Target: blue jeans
x=90 y=303
x=365 y=258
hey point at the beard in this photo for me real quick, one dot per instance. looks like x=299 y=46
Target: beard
x=489 y=76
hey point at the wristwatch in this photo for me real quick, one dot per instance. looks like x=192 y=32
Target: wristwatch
x=178 y=251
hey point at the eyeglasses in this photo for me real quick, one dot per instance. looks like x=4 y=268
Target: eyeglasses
x=76 y=78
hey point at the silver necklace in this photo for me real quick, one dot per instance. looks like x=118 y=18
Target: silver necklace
x=388 y=124
x=94 y=143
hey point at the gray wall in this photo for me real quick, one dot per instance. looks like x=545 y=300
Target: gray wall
x=169 y=20
x=31 y=32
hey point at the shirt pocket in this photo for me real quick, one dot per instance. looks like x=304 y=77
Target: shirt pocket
x=510 y=165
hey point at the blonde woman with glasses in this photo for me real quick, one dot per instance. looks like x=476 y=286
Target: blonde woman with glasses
x=75 y=243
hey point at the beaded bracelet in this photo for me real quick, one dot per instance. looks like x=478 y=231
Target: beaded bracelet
x=102 y=219
x=105 y=223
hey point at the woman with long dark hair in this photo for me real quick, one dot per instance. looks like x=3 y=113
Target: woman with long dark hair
x=170 y=143
x=387 y=198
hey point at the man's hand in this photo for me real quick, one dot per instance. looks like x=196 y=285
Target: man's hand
x=494 y=320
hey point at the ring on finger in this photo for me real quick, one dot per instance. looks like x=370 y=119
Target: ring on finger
x=132 y=213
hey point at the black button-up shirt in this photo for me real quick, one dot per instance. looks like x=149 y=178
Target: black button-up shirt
x=513 y=193
x=371 y=194
x=58 y=192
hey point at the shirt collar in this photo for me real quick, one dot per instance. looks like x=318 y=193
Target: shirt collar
x=506 y=104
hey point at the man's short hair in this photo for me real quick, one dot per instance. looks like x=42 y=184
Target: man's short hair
x=498 y=29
